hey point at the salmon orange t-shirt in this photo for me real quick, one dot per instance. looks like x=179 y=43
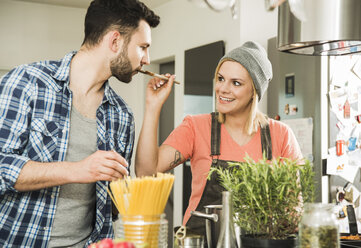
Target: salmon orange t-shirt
x=192 y=138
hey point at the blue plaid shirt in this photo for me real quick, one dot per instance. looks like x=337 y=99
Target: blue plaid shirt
x=35 y=106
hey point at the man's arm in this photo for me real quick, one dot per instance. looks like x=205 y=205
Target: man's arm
x=100 y=166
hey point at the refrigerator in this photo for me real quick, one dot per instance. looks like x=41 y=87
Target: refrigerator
x=318 y=97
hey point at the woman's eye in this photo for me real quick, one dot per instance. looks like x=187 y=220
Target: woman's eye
x=236 y=83
x=220 y=79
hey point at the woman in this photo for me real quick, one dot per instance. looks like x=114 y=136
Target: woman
x=237 y=129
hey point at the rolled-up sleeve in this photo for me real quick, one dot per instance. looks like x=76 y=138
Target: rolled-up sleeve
x=15 y=107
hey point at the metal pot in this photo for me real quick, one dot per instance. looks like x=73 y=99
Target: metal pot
x=213 y=216
x=192 y=241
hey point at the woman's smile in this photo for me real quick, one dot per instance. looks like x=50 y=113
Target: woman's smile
x=225 y=99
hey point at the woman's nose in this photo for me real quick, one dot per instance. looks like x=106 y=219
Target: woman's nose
x=224 y=87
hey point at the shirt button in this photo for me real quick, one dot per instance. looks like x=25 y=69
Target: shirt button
x=100 y=143
x=99 y=115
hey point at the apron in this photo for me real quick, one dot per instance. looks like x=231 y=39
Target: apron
x=212 y=194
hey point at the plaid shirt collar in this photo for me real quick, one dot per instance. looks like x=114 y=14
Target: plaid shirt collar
x=61 y=75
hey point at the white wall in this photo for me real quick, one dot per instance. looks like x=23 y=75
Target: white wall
x=31 y=32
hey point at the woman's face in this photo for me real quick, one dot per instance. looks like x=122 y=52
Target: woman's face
x=234 y=89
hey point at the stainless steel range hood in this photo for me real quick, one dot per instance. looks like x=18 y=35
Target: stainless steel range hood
x=331 y=27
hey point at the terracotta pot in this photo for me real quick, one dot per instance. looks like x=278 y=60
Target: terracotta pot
x=256 y=242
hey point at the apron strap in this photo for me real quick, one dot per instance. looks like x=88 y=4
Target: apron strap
x=266 y=142
x=215 y=135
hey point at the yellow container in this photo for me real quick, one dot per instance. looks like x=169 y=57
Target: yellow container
x=151 y=230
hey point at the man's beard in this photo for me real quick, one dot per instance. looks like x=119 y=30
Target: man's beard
x=121 y=68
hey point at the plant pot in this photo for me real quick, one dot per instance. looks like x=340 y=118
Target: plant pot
x=256 y=242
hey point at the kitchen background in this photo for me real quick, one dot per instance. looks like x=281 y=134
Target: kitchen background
x=33 y=30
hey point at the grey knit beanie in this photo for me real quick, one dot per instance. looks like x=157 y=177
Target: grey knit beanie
x=253 y=57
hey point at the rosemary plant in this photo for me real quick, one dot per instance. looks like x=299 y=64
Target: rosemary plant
x=268 y=196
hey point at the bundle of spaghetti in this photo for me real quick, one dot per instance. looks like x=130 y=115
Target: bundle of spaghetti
x=142 y=195
x=142 y=198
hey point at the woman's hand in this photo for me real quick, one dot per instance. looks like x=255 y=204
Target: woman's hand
x=158 y=91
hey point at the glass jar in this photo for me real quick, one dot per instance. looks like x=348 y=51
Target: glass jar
x=150 y=230
x=319 y=227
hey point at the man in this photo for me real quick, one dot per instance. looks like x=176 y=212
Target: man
x=64 y=133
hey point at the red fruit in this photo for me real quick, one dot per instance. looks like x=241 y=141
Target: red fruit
x=106 y=243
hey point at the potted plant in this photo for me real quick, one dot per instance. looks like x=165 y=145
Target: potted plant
x=268 y=198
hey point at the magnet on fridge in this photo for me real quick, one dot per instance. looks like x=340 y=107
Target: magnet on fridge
x=293 y=109
x=352 y=143
x=287 y=109
x=340 y=125
x=340 y=149
x=346 y=110
x=358 y=118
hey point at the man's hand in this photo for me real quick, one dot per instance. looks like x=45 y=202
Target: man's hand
x=100 y=166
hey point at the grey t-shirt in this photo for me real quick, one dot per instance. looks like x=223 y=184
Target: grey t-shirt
x=75 y=212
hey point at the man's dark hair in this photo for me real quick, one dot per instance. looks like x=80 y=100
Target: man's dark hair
x=121 y=15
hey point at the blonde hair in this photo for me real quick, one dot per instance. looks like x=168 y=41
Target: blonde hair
x=256 y=118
